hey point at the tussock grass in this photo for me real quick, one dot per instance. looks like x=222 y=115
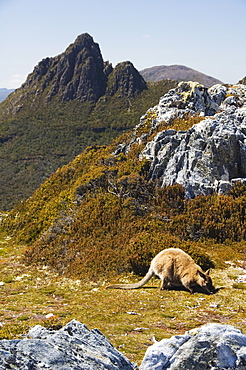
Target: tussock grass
x=129 y=319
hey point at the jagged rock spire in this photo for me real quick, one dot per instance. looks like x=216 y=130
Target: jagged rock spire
x=79 y=73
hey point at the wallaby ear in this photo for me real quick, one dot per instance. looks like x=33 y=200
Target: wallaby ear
x=207 y=272
x=202 y=274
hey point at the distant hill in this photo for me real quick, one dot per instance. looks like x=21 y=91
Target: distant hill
x=4 y=93
x=67 y=103
x=243 y=81
x=178 y=73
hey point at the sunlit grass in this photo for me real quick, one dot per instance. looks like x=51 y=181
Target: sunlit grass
x=128 y=318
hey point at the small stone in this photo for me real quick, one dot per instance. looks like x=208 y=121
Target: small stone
x=133 y=313
x=214 y=305
x=49 y=315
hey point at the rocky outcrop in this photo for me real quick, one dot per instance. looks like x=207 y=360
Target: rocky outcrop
x=208 y=157
x=72 y=347
x=213 y=346
x=211 y=156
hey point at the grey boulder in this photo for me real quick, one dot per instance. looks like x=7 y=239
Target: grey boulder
x=72 y=347
x=212 y=346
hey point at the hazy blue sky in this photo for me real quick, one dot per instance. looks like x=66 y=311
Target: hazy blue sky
x=207 y=35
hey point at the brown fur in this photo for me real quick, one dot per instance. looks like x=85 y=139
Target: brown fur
x=175 y=268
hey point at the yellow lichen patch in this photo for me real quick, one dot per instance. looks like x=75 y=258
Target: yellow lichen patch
x=190 y=88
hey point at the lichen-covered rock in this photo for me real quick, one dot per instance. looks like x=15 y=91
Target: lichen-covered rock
x=208 y=157
x=213 y=346
x=211 y=155
x=187 y=98
x=72 y=347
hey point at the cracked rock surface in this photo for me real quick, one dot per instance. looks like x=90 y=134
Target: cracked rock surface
x=211 y=155
x=72 y=347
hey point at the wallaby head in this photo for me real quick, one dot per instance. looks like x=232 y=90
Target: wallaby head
x=205 y=282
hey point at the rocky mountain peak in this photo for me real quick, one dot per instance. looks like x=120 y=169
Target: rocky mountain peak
x=125 y=80
x=79 y=73
x=84 y=40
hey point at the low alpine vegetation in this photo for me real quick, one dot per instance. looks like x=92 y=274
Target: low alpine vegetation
x=100 y=216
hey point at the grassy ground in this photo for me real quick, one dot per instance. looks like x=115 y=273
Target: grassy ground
x=129 y=319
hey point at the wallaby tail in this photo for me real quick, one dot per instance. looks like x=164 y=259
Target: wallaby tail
x=144 y=280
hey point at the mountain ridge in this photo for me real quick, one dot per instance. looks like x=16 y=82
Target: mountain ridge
x=4 y=93
x=60 y=110
x=178 y=73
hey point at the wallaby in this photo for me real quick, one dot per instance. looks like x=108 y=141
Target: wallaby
x=175 y=268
